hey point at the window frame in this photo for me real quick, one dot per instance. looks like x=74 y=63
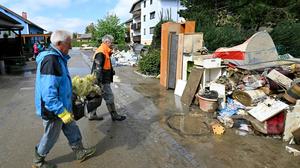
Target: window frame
x=152 y=15
x=151 y=30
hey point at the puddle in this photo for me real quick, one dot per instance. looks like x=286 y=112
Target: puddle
x=188 y=124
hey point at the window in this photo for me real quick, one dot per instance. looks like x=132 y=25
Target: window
x=152 y=15
x=145 y=3
x=144 y=18
x=151 y=30
x=151 y=2
x=144 y=31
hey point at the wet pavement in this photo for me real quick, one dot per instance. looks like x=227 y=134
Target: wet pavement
x=143 y=140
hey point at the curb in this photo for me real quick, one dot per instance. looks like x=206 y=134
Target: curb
x=86 y=59
x=145 y=76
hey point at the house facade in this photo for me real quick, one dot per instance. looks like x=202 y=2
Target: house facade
x=30 y=33
x=135 y=28
x=149 y=13
x=29 y=27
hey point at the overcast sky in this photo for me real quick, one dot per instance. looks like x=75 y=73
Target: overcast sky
x=71 y=15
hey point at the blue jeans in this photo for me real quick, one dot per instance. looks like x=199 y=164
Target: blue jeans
x=52 y=130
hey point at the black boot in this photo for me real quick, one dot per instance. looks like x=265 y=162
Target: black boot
x=113 y=113
x=39 y=161
x=82 y=153
x=93 y=115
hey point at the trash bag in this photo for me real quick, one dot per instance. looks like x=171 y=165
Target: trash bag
x=93 y=102
x=77 y=107
x=83 y=106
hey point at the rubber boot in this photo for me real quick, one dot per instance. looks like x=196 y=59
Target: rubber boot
x=82 y=153
x=113 y=113
x=93 y=115
x=39 y=161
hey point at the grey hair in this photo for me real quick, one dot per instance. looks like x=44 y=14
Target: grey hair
x=60 y=36
x=107 y=37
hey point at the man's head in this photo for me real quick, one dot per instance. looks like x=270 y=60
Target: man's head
x=61 y=39
x=108 y=40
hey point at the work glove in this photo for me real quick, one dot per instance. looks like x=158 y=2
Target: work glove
x=66 y=117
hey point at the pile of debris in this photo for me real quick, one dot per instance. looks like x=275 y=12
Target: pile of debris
x=250 y=88
x=124 y=58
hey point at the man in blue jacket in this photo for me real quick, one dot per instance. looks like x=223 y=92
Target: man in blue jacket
x=53 y=100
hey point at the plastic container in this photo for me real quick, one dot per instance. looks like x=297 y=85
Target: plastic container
x=208 y=103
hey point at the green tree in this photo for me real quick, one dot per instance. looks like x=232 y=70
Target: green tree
x=110 y=24
x=74 y=35
x=90 y=28
x=156 y=38
x=229 y=22
x=150 y=61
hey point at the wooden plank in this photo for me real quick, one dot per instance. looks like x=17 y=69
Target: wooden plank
x=188 y=43
x=197 y=42
x=172 y=60
x=163 y=53
x=179 y=57
x=189 y=27
x=165 y=30
x=191 y=86
x=192 y=42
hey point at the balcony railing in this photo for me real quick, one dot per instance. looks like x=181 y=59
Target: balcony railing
x=137 y=39
x=136 y=26
x=136 y=14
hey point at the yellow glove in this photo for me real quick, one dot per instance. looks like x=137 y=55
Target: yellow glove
x=66 y=117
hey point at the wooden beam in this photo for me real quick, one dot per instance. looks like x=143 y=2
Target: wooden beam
x=179 y=56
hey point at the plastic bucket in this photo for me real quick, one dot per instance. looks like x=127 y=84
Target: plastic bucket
x=206 y=104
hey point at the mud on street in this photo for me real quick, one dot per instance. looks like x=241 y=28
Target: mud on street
x=143 y=140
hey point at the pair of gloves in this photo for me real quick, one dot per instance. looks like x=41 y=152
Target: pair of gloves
x=66 y=117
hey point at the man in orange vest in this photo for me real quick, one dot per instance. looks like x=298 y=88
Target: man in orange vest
x=104 y=72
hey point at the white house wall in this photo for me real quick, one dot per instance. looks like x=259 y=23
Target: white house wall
x=135 y=21
x=173 y=6
x=157 y=6
x=154 y=7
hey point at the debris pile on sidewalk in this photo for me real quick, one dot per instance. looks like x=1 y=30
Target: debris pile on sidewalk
x=253 y=90
x=123 y=58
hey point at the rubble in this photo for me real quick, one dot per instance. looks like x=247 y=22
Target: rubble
x=257 y=90
x=124 y=58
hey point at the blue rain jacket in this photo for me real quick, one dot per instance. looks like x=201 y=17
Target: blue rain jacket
x=53 y=86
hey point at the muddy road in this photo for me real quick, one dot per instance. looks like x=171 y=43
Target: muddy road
x=143 y=140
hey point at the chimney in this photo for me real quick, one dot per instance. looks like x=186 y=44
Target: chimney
x=24 y=15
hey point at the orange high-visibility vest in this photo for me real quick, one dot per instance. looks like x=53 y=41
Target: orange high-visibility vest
x=103 y=48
